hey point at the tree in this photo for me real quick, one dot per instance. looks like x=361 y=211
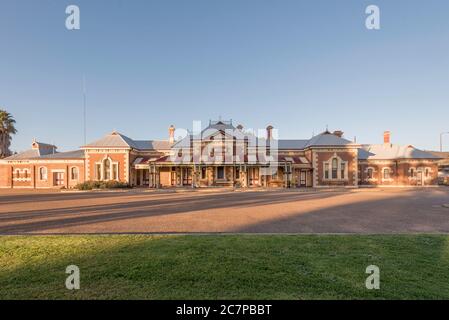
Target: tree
x=6 y=130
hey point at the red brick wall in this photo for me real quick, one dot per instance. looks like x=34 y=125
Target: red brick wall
x=121 y=158
x=33 y=180
x=5 y=176
x=399 y=173
x=346 y=155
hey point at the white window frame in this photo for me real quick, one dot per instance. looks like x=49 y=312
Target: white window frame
x=77 y=174
x=340 y=161
x=43 y=177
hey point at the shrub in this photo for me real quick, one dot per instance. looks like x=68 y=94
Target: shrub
x=89 y=185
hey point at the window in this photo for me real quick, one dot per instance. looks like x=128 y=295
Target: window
x=342 y=170
x=106 y=169
x=74 y=173
x=427 y=172
x=237 y=173
x=98 y=171
x=25 y=173
x=115 y=171
x=42 y=173
x=369 y=173
x=220 y=173
x=203 y=173
x=18 y=173
x=386 y=174
x=412 y=172
x=326 y=171
x=334 y=168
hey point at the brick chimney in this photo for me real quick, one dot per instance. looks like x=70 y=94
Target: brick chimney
x=338 y=133
x=171 y=134
x=269 y=132
x=387 y=137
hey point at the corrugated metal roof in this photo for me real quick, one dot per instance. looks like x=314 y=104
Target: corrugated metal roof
x=152 y=144
x=327 y=139
x=114 y=139
x=393 y=151
x=292 y=144
x=118 y=140
x=28 y=154
x=75 y=154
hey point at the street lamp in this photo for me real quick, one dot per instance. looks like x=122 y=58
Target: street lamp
x=441 y=140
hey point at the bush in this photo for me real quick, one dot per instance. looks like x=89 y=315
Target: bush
x=90 y=185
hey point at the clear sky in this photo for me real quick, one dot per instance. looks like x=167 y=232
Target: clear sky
x=298 y=65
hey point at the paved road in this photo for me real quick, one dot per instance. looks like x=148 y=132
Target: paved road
x=357 y=211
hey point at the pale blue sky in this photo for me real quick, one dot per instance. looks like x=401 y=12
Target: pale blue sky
x=298 y=65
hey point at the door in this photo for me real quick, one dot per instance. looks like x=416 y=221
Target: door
x=253 y=176
x=303 y=179
x=186 y=176
x=173 y=178
x=58 y=178
x=419 y=178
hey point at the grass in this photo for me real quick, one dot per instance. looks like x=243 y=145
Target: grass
x=225 y=267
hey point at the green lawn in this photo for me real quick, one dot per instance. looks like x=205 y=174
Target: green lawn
x=224 y=267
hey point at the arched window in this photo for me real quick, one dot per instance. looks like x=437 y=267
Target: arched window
x=42 y=173
x=334 y=168
x=326 y=170
x=106 y=169
x=74 y=173
x=25 y=173
x=386 y=174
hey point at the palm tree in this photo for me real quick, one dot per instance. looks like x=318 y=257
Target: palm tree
x=6 y=130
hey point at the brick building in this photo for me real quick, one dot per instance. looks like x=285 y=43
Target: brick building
x=223 y=155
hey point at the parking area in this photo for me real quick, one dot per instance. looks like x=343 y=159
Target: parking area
x=224 y=211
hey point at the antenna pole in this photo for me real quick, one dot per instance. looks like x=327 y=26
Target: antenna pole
x=84 y=110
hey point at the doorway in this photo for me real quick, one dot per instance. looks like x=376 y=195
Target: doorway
x=58 y=178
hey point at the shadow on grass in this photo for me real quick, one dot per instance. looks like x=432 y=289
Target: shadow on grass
x=224 y=267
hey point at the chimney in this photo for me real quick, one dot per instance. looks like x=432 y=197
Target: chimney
x=338 y=133
x=171 y=134
x=387 y=137
x=269 y=135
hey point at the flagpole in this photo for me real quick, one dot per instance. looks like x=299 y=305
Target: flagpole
x=84 y=109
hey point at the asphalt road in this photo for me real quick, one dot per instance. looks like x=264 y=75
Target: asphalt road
x=283 y=211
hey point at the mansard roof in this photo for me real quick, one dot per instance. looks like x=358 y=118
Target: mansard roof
x=388 y=151
x=118 y=140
